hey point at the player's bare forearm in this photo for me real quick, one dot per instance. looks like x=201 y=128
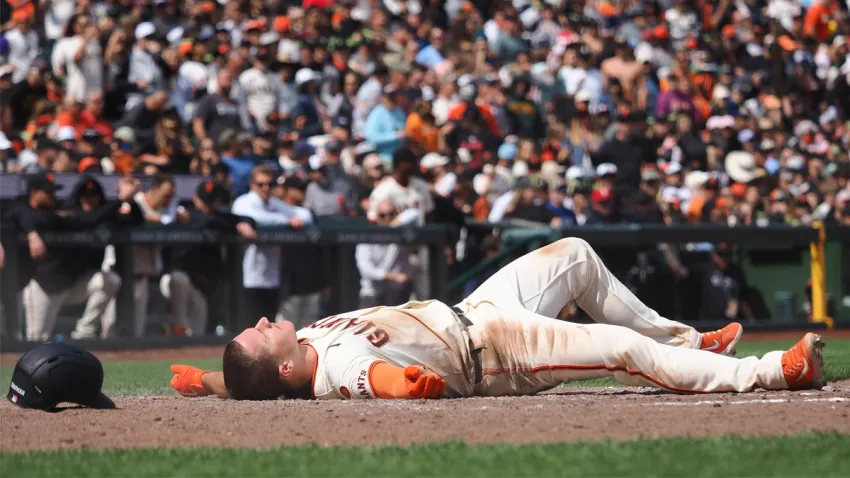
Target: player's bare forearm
x=191 y=381
x=214 y=382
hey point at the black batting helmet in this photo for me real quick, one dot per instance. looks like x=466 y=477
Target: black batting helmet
x=57 y=372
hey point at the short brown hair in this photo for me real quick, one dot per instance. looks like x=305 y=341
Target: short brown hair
x=262 y=170
x=251 y=377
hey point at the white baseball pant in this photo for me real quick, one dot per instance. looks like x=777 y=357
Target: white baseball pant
x=302 y=310
x=527 y=350
x=188 y=304
x=96 y=289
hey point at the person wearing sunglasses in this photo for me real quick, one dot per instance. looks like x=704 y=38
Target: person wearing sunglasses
x=261 y=264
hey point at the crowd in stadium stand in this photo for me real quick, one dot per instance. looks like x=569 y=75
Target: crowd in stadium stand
x=578 y=112
x=550 y=112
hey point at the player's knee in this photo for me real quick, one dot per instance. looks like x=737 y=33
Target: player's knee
x=176 y=280
x=110 y=282
x=578 y=244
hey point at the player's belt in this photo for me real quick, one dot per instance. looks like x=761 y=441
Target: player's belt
x=475 y=352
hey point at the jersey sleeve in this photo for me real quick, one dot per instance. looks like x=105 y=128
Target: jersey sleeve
x=351 y=372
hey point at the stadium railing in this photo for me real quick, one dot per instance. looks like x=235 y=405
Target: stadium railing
x=339 y=238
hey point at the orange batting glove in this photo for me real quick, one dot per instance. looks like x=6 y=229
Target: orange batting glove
x=187 y=381
x=423 y=384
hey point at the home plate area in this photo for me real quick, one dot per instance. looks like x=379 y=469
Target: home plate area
x=564 y=414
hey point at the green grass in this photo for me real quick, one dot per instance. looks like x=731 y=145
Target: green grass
x=133 y=378
x=722 y=456
x=151 y=378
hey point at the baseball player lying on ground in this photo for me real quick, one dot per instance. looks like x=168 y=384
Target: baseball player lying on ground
x=501 y=340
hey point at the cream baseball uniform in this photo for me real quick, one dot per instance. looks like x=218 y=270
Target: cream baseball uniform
x=511 y=345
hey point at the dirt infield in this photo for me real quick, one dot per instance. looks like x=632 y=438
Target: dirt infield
x=566 y=415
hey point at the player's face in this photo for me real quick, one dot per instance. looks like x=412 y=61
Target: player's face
x=278 y=338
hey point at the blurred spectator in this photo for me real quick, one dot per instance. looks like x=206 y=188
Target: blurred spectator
x=218 y=112
x=741 y=109
x=78 y=58
x=303 y=275
x=203 y=264
x=160 y=206
x=385 y=269
x=723 y=287
x=63 y=275
x=261 y=265
x=385 y=126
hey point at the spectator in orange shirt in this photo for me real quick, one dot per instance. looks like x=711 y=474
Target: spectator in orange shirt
x=456 y=114
x=422 y=133
x=92 y=116
x=70 y=114
x=817 y=18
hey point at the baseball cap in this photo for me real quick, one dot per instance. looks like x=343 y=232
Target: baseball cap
x=606 y=169
x=602 y=194
x=57 y=372
x=294 y=182
x=91 y=188
x=91 y=135
x=507 y=151
x=341 y=122
x=334 y=146
x=304 y=149
x=306 y=75
x=650 y=174
x=209 y=191
x=66 y=133
x=144 y=30
x=125 y=134
x=433 y=160
x=42 y=182
x=90 y=164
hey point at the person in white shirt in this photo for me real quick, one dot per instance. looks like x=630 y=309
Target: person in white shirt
x=385 y=269
x=261 y=263
x=260 y=88
x=78 y=57
x=144 y=71
x=407 y=193
x=57 y=13
x=23 y=45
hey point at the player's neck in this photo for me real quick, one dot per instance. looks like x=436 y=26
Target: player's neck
x=304 y=376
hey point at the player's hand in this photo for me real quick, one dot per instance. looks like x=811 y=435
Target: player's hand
x=296 y=223
x=246 y=230
x=36 y=245
x=422 y=383
x=128 y=186
x=187 y=380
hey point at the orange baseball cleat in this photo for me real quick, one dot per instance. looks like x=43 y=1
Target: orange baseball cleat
x=802 y=364
x=723 y=341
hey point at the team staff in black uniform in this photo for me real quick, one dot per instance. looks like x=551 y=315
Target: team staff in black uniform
x=203 y=263
x=68 y=275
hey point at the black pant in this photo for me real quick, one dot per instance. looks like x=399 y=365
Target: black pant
x=260 y=303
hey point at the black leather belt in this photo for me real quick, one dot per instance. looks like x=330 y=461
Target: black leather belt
x=475 y=353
